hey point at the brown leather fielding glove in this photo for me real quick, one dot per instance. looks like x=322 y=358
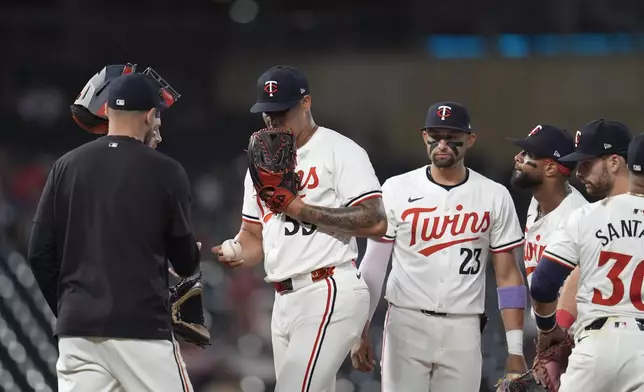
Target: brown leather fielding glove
x=553 y=350
x=271 y=163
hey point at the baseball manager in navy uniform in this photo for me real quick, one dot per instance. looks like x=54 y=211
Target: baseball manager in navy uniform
x=111 y=215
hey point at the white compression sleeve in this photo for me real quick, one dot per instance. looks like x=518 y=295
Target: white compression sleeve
x=374 y=268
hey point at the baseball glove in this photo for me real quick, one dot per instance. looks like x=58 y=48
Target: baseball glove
x=271 y=162
x=549 y=364
x=187 y=311
x=523 y=383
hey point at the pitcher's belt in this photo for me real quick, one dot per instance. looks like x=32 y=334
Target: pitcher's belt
x=297 y=282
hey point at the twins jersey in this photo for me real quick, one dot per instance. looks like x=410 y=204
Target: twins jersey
x=335 y=172
x=606 y=240
x=442 y=237
x=539 y=232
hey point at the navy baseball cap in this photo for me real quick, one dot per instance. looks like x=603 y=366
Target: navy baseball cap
x=635 y=158
x=547 y=141
x=598 y=138
x=280 y=88
x=135 y=92
x=448 y=115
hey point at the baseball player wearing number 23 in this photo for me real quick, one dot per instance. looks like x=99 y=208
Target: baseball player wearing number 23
x=443 y=221
x=306 y=238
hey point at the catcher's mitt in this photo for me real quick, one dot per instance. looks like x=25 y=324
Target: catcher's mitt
x=187 y=311
x=271 y=162
x=549 y=364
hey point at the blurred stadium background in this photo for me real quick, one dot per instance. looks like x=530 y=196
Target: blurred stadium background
x=374 y=68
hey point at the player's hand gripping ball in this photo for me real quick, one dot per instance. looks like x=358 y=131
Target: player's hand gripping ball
x=271 y=163
x=231 y=249
x=229 y=253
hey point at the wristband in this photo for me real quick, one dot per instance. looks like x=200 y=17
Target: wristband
x=545 y=323
x=515 y=341
x=565 y=319
x=512 y=297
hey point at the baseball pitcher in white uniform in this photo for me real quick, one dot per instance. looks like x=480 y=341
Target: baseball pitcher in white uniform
x=309 y=250
x=444 y=219
x=603 y=240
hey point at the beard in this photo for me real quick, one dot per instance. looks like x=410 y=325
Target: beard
x=445 y=162
x=149 y=139
x=600 y=187
x=523 y=180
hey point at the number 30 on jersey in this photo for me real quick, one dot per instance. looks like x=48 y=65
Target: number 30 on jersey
x=618 y=290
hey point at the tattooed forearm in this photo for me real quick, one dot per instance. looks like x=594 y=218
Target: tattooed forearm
x=368 y=219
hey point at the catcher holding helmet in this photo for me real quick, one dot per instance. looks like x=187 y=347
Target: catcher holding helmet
x=112 y=215
x=89 y=112
x=89 y=108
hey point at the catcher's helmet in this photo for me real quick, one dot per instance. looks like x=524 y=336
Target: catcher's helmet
x=89 y=108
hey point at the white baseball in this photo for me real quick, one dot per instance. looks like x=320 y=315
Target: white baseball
x=231 y=249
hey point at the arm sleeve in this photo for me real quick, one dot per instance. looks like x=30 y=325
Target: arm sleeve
x=563 y=248
x=558 y=260
x=506 y=231
x=547 y=279
x=181 y=245
x=42 y=253
x=374 y=268
x=355 y=178
x=252 y=210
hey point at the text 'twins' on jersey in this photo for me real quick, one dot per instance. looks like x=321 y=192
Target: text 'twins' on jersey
x=442 y=237
x=335 y=172
x=539 y=231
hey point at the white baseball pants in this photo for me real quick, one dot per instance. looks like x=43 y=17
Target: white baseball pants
x=424 y=352
x=313 y=329
x=120 y=365
x=607 y=359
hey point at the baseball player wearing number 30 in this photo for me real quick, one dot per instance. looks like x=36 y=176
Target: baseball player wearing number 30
x=604 y=241
x=309 y=250
x=443 y=221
